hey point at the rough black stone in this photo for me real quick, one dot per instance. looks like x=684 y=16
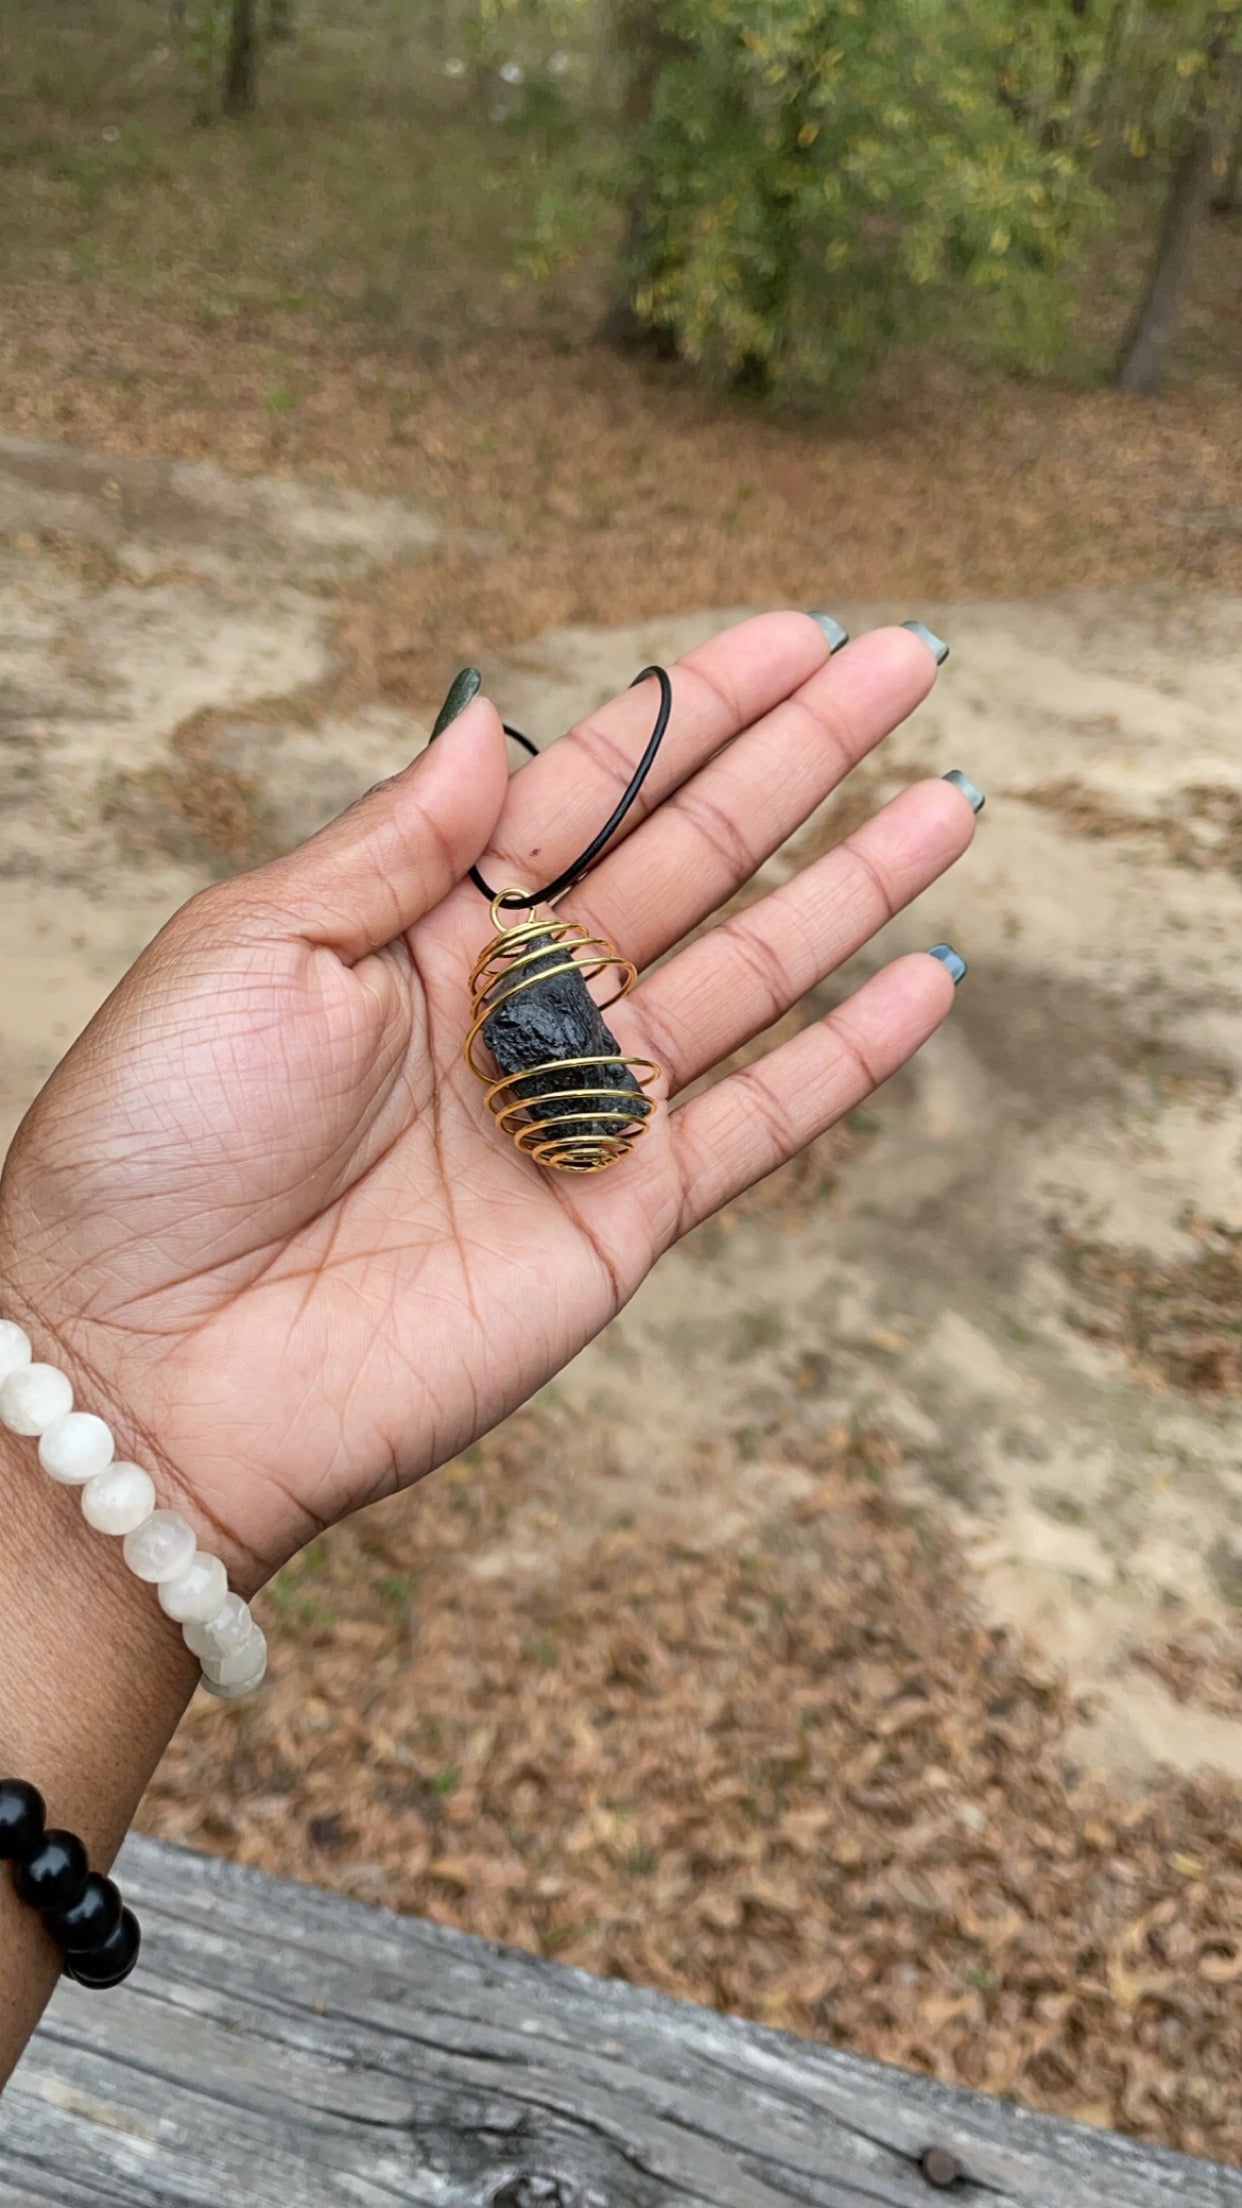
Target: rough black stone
x=548 y=1022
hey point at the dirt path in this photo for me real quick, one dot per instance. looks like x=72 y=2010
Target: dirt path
x=1016 y=1265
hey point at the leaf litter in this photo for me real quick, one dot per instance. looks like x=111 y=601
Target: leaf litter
x=799 y=1779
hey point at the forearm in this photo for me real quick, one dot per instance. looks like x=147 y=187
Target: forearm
x=93 y=1679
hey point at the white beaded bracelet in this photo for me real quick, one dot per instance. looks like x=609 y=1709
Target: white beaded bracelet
x=77 y=1450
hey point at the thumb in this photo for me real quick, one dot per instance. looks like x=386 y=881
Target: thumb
x=396 y=852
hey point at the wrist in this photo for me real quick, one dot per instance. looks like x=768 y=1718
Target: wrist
x=119 y=1501
x=89 y=1663
x=93 y=1680
x=85 y=1352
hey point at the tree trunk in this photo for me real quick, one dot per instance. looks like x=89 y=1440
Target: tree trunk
x=645 y=45
x=1146 y=346
x=1228 y=170
x=242 y=60
x=769 y=293
x=1226 y=198
x=280 y=21
x=1145 y=349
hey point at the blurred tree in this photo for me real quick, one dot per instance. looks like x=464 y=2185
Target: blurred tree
x=645 y=45
x=206 y=29
x=815 y=177
x=279 y=21
x=241 y=61
x=1228 y=164
x=1227 y=197
x=1188 y=125
x=1056 y=123
x=224 y=43
x=1103 y=98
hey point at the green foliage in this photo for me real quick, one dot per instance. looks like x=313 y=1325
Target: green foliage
x=792 y=186
x=1166 y=64
x=820 y=178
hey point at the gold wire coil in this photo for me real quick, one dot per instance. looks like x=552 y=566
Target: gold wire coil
x=516 y=960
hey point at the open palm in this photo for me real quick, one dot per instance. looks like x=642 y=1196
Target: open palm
x=261 y=1211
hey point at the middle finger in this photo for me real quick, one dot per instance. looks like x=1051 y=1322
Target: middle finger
x=708 y=839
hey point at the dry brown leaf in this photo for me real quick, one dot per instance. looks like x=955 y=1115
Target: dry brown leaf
x=743 y=1777
x=1221 y=1967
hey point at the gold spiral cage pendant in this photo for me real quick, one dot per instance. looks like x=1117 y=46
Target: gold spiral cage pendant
x=589 y=1124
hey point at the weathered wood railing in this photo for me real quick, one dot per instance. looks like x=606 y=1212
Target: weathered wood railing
x=285 y=2048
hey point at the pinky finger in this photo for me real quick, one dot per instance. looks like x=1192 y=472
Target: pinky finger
x=730 y=1137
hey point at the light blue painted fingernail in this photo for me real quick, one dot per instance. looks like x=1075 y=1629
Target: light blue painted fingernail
x=836 y=635
x=968 y=790
x=935 y=644
x=462 y=689
x=954 y=961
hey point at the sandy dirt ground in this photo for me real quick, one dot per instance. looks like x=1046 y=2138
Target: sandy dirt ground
x=951 y=1272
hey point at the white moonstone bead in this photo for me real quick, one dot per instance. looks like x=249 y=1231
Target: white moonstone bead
x=118 y=1500
x=196 y=1593
x=76 y=1448
x=233 y=1694
x=161 y=1547
x=233 y=1676
x=14 y=1348
x=224 y=1634
x=33 y=1398
x=226 y=1671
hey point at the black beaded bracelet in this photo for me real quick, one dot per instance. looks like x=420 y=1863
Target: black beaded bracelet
x=97 y=1935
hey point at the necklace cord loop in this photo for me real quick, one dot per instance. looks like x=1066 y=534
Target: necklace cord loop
x=517 y=900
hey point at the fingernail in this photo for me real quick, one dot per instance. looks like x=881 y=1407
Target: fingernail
x=836 y=635
x=463 y=687
x=959 y=781
x=935 y=644
x=952 y=959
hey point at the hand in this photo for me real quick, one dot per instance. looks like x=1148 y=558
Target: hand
x=261 y=1213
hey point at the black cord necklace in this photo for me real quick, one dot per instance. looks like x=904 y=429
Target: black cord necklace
x=515 y=900
x=562 y=1088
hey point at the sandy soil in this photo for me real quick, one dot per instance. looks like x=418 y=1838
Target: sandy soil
x=163 y=626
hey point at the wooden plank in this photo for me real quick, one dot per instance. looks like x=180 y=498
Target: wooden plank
x=284 y=2048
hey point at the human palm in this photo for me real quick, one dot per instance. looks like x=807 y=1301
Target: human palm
x=261 y=1211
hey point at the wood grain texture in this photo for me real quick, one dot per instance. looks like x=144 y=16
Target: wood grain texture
x=284 y=2048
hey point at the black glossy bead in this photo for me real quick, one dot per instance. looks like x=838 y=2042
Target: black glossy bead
x=55 y=1874
x=22 y=1818
x=88 y=1921
x=110 y=1964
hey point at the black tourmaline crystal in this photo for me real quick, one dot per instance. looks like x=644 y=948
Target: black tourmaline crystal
x=547 y=1022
